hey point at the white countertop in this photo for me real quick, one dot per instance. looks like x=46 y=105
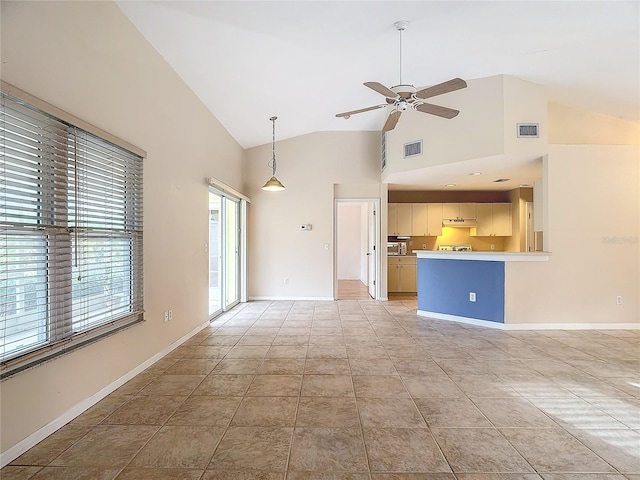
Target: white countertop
x=485 y=256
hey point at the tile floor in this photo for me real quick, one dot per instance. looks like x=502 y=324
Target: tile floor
x=356 y=390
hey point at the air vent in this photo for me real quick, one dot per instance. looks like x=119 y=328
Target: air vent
x=383 y=164
x=412 y=149
x=527 y=130
x=501 y=180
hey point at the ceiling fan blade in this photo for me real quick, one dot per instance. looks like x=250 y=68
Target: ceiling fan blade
x=445 y=87
x=381 y=89
x=392 y=121
x=437 y=110
x=353 y=112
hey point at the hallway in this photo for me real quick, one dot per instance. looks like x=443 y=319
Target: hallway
x=357 y=390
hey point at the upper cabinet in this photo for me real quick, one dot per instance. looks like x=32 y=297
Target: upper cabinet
x=427 y=219
x=400 y=219
x=494 y=219
x=459 y=210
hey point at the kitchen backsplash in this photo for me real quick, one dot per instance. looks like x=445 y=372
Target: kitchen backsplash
x=456 y=236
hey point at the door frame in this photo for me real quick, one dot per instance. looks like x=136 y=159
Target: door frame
x=375 y=202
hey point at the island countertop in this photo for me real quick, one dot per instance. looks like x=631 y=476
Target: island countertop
x=484 y=256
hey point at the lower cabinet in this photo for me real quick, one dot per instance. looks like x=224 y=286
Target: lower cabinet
x=402 y=275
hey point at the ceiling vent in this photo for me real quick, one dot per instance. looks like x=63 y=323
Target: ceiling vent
x=527 y=130
x=501 y=180
x=412 y=149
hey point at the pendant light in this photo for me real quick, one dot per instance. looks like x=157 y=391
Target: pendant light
x=273 y=184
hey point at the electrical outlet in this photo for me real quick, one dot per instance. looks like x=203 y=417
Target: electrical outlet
x=166 y=316
x=472 y=296
x=286 y=280
x=170 y=314
x=619 y=300
x=424 y=246
x=493 y=247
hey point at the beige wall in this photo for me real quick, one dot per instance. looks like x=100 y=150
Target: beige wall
x=574 y=126
x=87 y=58
x=592 y=229
x=308 y=166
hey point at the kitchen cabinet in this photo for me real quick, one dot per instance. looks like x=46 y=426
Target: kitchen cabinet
x=419 y=220
x=399 y=219
x=494 y=219
x=434 y=219
x=459 y=210
x=402 y=275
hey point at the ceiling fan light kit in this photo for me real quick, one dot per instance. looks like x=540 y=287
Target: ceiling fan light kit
x=404 y=96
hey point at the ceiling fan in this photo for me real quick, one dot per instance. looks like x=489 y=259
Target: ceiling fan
x=404 y=96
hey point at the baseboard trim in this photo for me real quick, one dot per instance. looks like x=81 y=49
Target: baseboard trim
x=19 y=448
x=529 y=326
x=275 y=299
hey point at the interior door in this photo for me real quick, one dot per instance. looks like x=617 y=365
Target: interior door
x=371 y=249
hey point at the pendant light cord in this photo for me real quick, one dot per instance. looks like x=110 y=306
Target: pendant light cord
x=273 y=146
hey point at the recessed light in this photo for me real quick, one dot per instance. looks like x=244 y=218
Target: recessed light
x=450 y=185
x=523 y=185
x=475 y=174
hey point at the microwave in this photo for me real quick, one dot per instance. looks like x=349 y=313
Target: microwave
x=396 y=248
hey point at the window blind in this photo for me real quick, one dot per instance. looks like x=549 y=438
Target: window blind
x=70 y=236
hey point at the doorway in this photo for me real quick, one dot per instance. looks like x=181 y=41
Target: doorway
x=224 y=252
x=356 y=252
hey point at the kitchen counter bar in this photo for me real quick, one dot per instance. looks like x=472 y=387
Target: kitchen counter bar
x=467 y=287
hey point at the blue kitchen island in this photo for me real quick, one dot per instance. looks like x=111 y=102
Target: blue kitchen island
x=468 y=287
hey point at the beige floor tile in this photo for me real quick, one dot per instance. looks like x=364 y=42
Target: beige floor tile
x=334 y=412
x=241 y=475
x=101 y=410
x=372 y=366
x=205 y=410
x=451 y=413
x=282 y=366
x=327 y=351
x=248 y=351
x=238 y=366
x=480 y=450
x=133 y=386
x=413 y=476
x=513 y=412
x=327 y=366
x=253 y=448
x=287 y=351
x=179 y=446
x=275 y=386
x=431 y=386
x=389 y=413
x=500 y=476
x=173 y=385
x=327 y=385
x=256 y=340
x=285 y=339
x=221 y=340
x=366 y=351
x=297 y=475
x=379 y=386
x=327 y=449
x=620 y=448
x=403 y=450
x=207 y=351
x=145 y=410
x=106 y=446
x=52 y=446
x=224 y=385
x=555 y=450
x=587 y=476
x=266 y=412
x=416 y=367
x=74 y=473
x=136 y=473
x=18 y=472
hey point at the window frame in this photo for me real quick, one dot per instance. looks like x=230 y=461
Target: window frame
x=58 y=241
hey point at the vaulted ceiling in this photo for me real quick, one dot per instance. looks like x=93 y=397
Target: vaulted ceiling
x=305 y=61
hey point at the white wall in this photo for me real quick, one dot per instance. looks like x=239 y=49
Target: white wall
x=592 y=229
x=349 y=241
x=308 y=166
x=88 y=59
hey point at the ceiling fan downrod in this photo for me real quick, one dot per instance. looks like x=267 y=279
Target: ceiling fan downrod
x=401 y=25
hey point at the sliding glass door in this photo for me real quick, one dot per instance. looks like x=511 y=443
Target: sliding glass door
x=224 y=249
